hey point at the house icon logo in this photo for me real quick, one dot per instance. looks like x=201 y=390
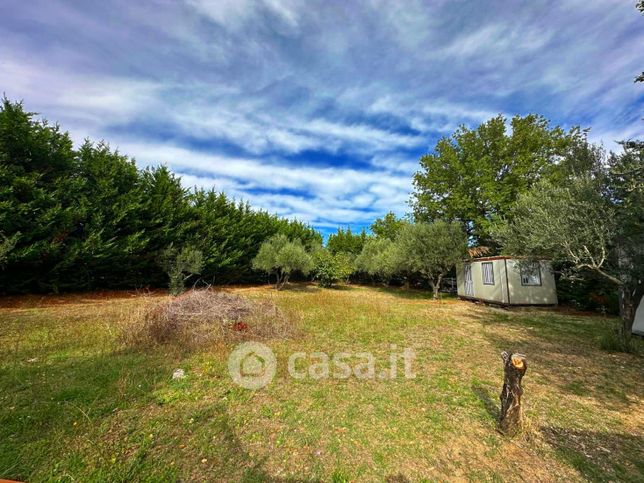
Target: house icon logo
x=252 y=365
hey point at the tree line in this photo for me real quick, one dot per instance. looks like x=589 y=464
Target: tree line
x=79 y=219
x=87 y=218
x=518 y=187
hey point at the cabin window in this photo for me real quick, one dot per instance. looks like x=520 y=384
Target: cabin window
x=488 y=273
x=530 y=274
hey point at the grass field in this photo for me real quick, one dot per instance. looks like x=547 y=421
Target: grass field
x=76 y=404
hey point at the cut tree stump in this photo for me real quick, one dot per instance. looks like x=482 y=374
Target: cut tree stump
x=511 y=417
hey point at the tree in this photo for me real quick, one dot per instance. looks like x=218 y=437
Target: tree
x=344 y=241
x=86 y=218
x=625 y=189
x=388 y=226
x=168 y=216
x=591 y=222
x=329 y=269
x=377 y=258
x=280 y=256
x=39 y=189
x=475 y=175
x=6 y=245
x=111 y=241
x=181 y=266
x=431 y=249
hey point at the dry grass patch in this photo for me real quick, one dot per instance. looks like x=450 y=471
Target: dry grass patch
x=77 y=403
x=201 y=317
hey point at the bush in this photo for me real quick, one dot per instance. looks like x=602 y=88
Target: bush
x=199 y=317
x=588 y=293
x=181 y=266
x=329 y=269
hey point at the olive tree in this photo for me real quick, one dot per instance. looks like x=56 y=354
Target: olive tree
x=431 y=249
x=591 y=223
x=377 y=258
x=280 y=256
x=181 y=266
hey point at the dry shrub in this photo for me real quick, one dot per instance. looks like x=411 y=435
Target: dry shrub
x=200 y=317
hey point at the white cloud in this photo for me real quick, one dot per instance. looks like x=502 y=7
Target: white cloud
x=189 y=82
x=236 y=14
x=339 y=195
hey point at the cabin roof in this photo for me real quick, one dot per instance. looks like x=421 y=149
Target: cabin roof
x=498 y=257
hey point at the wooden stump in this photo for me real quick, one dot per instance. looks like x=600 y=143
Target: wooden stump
x=511 y=417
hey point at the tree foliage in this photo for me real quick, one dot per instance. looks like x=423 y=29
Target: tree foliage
x=572 y=223
x=378 y=259
x=593 y=221
x=345 y=241
x=180 y=265
x=476 y=175
x=330 y=269
x=431 y=249
x=79 y=219
x=280 y=256
x=6 y=245
x=388 y=226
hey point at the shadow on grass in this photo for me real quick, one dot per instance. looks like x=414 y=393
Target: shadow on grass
x=68 y=417
x=577 y=367
x=491 y=405
x=45 y=301
x=413 y=293
x=300 y=287
x=397 y=478
x=53 y=399
x=599 y=456
x=342 y=287
x=238 y=464
x=570 y=346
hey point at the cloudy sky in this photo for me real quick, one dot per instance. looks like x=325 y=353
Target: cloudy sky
x=317 y=110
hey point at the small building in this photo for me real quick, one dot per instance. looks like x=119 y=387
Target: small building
x=507 y=281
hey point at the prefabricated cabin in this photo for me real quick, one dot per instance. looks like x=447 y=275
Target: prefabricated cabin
x=507 y=281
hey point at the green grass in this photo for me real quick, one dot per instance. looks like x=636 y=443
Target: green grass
x=76 y=404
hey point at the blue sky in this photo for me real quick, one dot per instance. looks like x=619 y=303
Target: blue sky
x=317 y=110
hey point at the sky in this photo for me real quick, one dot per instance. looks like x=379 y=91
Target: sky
x=317 y=110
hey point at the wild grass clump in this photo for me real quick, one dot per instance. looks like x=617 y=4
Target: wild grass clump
x=617 y=341
x=200 y=317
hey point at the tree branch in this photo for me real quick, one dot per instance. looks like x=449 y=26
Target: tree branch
x=608 y=276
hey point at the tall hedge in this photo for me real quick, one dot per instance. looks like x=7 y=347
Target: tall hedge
x=87 y=218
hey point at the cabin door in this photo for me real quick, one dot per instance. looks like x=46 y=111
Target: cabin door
x=469 y=285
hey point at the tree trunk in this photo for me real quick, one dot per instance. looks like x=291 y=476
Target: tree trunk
x=511 y=417
x=436 y=286
x=284 y=281
x=278 y=280
x=629 y=299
